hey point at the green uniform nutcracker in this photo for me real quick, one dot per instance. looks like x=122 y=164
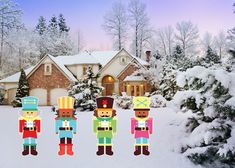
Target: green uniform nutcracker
x=104 y=124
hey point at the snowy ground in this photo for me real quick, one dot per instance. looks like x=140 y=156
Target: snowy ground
x=162 y=142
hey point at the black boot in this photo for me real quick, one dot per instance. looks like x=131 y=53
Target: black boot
x=33 y=150
x=145 y=150
x=137 y=150
x=26 y=150
x=109 y=150
x=100 y=150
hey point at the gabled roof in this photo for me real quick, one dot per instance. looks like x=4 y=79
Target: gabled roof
x=15 y=78
x=95 y=57
x=134 y=78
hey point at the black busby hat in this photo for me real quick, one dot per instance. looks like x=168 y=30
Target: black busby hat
x=104 y=102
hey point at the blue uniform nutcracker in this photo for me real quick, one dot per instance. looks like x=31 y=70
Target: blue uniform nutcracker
x=66 y=124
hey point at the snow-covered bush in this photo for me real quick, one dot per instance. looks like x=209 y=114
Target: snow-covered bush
x=158 y=101
x=209 y=101
x=124 y=101
x=1 y=98
x=86 y=90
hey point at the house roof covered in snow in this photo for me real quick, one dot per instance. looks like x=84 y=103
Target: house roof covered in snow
x=63 y=68
x=94 y=57
x=134 y=78
x=15 y=78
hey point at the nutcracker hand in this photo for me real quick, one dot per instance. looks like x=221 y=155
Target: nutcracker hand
x=56 y=132
x=74 y=133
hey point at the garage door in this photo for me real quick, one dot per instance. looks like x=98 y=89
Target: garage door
x=41 y=94
x=11 y=95
x=55 y=93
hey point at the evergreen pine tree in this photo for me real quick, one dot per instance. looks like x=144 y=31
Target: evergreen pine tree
x=62 y=24
x=208 y=101
x=22 y=90
x=211 y=58
x=86 y=90
x=41 y=26
x=53 y=27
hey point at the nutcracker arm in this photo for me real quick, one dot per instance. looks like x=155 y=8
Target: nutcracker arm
x=133 y=123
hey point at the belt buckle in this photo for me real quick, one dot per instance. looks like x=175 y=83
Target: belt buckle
x=106 y=129
x=67 y=128
x=30 y=128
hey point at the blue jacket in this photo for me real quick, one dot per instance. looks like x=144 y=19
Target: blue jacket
x=70 y=122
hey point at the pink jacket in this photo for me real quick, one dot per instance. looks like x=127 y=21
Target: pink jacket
x=140 y=133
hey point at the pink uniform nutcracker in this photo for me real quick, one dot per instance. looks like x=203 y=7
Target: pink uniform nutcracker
x=141 y=125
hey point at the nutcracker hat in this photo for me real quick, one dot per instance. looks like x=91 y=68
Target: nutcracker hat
x=29 y=103
x=141 y=103
x=104 y=102
x=65 y=103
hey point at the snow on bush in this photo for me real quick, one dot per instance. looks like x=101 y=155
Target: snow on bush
x=157 y=101
x=124 y=101
x=208 y=98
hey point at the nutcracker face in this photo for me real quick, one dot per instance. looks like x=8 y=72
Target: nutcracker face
x=105 y=113
x=66 y=113
x=141 y=113
x=30 y=114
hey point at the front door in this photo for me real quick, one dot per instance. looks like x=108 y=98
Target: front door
x=108 y=84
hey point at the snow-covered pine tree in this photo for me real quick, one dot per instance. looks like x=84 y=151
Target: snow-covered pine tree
x=22 y=90
x=211 y=58
x=62 y=24
x=208 y=102
x=86 y=90
x=53 y=27
x=41 y=26
x=175 y=62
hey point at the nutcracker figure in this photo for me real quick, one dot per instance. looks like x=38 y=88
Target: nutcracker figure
x=65 y=124
x=104 y=124
x=29 y=124
x=141 y=125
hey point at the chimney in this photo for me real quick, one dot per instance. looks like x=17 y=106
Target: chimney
x=148 y=55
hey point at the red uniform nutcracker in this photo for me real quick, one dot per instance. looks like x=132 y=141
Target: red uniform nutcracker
x=29 y=124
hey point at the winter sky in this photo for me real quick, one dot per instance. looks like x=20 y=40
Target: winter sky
x=86 y=16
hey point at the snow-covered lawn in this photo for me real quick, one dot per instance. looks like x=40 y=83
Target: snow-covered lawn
x=162 y=143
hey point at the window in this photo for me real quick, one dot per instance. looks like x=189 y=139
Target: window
x=47 y=69
x=123 y=60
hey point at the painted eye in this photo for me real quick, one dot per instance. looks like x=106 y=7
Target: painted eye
x=27 y=112
x=31 y=112
x=107 y=112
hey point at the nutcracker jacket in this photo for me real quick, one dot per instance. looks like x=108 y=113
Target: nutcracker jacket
x=142 y=133
x=30 y=132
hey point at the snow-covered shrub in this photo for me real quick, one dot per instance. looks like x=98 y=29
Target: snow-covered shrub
x=157 y=101
x=124 y=101
x=86 y=90
x=209 y=101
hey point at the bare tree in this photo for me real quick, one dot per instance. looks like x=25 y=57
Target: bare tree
x=9 y=18
x=187 y=36
x=221 y=44
x=165 y=37
x=140 y=23
x=115 y=24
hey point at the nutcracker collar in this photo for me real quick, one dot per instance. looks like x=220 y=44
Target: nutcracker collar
x=141 y=119
x=30 y=119
x=104 y=119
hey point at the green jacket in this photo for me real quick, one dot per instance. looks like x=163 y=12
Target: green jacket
x=109 y=122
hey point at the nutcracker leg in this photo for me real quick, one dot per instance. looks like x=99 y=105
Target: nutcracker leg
x=62 y=147
x=145 y=150
x=100 y=147
x=145 y=146
x=26 y=150
x=69 y=147
x=34 y=150
x=109 y=146
x=138 y=147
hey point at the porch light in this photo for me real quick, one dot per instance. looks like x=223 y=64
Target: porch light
x=109 y=78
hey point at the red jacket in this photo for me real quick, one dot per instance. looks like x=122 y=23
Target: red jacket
x=29 y=133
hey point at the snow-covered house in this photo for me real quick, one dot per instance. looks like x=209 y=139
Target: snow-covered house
x=51 y=76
